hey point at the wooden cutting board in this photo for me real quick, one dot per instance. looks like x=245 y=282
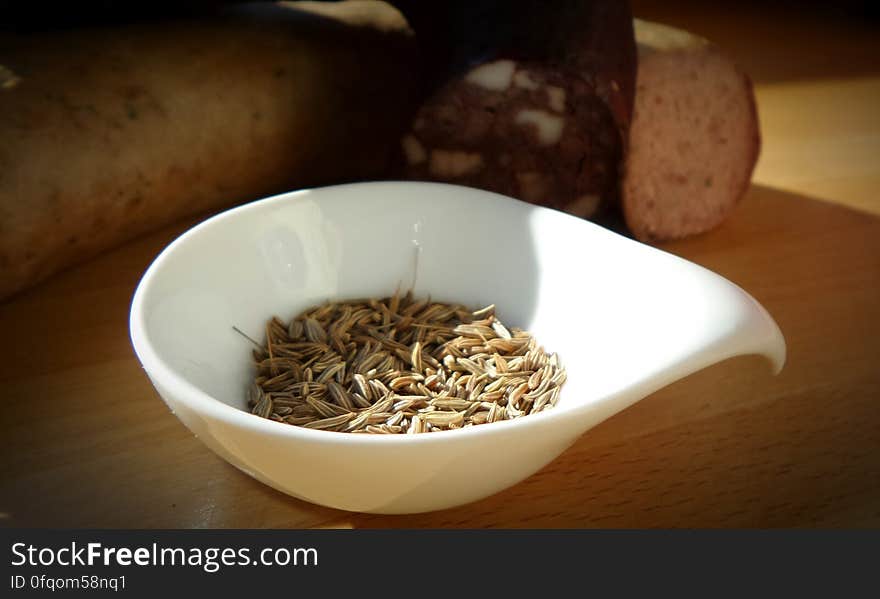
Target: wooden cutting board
x=86 y=441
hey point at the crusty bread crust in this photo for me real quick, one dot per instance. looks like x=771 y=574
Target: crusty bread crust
x=694 y=139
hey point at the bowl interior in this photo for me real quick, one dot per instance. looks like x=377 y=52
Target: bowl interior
x=613 y=309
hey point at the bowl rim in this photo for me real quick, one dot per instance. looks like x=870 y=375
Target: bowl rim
x=202 y=402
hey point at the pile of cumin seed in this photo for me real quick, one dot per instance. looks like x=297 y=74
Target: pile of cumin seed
x=400 y=365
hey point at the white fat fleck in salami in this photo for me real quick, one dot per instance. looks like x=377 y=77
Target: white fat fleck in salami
x=451 y=163
x=413 y=149
x=548 y=126
x=524 y=80
x=556 y=98
x=8 y=79
x=495 y=76
x=584 y=206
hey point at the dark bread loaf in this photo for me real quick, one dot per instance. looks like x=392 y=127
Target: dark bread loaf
x=694 y=138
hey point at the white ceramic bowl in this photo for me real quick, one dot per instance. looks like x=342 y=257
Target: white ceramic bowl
x=625 y=318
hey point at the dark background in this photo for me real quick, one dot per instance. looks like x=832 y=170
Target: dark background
x=22 y=13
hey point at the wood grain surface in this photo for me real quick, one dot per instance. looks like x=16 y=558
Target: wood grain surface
x=86 y=442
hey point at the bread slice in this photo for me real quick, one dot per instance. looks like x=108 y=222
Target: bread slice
x=694 y=138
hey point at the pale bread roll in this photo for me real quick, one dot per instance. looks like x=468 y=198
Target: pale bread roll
x=114 y=131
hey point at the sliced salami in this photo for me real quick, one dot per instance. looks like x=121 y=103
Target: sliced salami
x=528 y=100
x=522 y=129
